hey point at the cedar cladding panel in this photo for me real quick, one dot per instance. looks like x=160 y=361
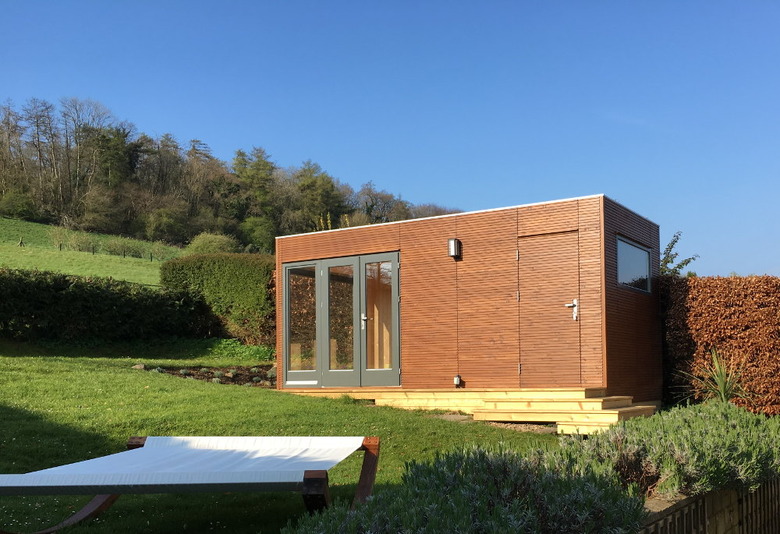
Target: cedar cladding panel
x=583 y=217
x=591 y=310
x=549 y=336
x=488 y=346
x=338 y=243
x=547 y=218
x=429 y=314
x=633 y=332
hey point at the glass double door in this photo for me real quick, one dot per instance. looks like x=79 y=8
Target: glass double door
x=342 y=322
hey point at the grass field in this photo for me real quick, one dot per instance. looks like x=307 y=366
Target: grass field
x=60 y=405
x=41 y=252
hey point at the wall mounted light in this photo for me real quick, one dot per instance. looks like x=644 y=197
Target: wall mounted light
x=457 y=381
x=454 y=248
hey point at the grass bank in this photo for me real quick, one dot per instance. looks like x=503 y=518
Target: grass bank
x=41 y=251
x=60 y=405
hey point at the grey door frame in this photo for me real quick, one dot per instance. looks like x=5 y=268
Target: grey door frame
x=359 y=375
x=391 y=376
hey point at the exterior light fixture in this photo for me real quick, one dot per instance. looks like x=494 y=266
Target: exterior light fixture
x=454 y=248
x=456 y=381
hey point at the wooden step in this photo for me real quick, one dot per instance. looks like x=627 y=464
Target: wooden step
x=467 y=405
x=479 y=393
x=564 y=416
x=581 y=428
x=574 y=410
x=598 y=403
x=468 y=400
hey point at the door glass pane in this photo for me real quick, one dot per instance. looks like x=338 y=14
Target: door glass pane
x=302 y=319
x=341 y=315
x=379 y=315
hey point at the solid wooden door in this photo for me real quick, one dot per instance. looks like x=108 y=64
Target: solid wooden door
x=549 y=310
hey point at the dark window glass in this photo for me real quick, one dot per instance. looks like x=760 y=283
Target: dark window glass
x=633 y=265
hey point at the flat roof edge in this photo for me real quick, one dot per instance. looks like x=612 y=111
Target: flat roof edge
x=587 y=197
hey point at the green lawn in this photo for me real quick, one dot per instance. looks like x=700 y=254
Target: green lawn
x=80 y=263
x=41 y=252
x=61 y=405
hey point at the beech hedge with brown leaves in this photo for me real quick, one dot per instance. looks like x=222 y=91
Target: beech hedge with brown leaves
x=737 y=316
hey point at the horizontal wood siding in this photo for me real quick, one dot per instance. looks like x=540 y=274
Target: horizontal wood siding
x=549 y=336
x=549 y=218
x=583 y=217
x=591 y=294
x=488 y=349
x=633 y=329
x=346 y=242
x=429 y=312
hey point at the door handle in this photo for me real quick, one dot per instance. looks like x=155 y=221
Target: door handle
x=363 y=321
x=574 y=305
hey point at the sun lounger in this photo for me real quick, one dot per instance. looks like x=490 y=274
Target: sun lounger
x=202 y=464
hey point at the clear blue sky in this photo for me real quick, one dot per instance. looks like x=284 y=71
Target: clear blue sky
x=671 y=108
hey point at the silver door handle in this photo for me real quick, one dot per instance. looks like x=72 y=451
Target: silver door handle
x=574 y=307
x=363 y=320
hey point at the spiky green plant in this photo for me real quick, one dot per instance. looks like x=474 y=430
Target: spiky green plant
x=719 y=380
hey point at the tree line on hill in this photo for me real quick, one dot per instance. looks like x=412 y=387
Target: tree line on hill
x=76 y=165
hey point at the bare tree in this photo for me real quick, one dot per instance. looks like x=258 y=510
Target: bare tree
x=12 y=161
x=81 y=119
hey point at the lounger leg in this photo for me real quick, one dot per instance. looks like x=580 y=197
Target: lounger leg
x=94 y=508
x=316 y=494
x=368 y=471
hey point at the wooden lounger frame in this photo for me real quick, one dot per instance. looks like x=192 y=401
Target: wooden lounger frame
x=315 y=492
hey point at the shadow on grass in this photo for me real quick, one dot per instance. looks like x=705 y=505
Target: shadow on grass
x=168 y=349
x=29 y=442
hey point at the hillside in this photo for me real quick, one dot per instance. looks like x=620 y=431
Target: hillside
x=51 y=248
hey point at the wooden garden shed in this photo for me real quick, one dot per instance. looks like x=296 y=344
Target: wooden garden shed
x=539 y=312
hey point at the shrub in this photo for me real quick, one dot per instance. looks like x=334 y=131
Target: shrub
x=164 y=252
x=206 y=243
x=37 y=305
x=686 y=450
x=82 y=242
x=58 y=236
x=18 y=205
x=739 y=316
x=239 y=288
x=587 y=485
x=122 y=246
x=718 y=380
x=477 y=490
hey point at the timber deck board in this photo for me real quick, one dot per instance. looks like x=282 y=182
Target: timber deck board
x=574 y=410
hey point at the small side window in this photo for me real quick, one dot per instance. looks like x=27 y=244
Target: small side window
x=633 y=265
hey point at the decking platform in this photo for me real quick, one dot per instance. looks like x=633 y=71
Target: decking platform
x=573 y=410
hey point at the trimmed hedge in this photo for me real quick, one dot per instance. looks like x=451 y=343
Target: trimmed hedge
x=239 y=288
x=42 y=305
x=738 y=316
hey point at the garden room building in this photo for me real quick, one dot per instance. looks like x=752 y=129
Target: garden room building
x=540 y=312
